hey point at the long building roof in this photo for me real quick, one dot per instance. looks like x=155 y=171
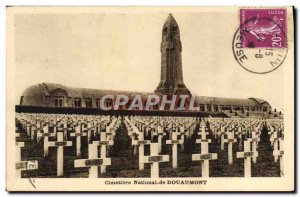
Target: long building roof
x=34 y=95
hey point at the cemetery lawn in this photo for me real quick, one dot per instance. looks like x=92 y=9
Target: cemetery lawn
x=125 y=164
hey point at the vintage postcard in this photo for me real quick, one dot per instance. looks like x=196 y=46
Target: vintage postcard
x=139 y=99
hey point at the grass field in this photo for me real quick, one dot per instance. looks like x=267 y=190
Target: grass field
x=125 y=163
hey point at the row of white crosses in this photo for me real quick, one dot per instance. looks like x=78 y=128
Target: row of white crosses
x=254 y=128
x=274 y=127
x=138 y=126
x=22 y=165
x=249 y=154
x=230 y=128
x=138 y=140
x=204 y=156
x=94 y=161
x=42 y=120
x=226 y=134
x=230 y=141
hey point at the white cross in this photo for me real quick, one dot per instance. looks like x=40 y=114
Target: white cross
x=247 y=155
x=230 y=140
x=254 y=141
x=65 y=128
x=141 y=143
x=174 y=141
x=60 y=144
x=103 y=143
x=78 y=135
x=160 y=134
x=222 y=137
x=39 y=130
x=54 y=125
x=214 y=131
x=154 y=159
x=32 y=131
x=280 y=153
x=274 y=135
x=182 y=134
x=205 y=156
x=93 y=162
x=28 y=128
x=88 y=130
x=45 y=134
x=239 y=133
x=23 y=165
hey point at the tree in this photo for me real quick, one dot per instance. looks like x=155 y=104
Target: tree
x=121 y=141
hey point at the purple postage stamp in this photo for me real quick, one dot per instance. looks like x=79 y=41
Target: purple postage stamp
x=263 y=28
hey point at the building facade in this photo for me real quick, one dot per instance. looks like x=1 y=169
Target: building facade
x=171 y=82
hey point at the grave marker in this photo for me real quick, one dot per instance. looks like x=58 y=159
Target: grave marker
x=230 y=140
x=141 y=143
x=23 y=165
x=205 y=156
x=60 y=144
x=174 y=141
x=247 y=155
x=103 y=143
x=45 y=134
x=280 y=153
x=93 y=162
x=154 y=159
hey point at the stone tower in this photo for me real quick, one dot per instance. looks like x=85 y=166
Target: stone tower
x=171 y=81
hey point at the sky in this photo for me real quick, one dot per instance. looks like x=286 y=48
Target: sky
x=121 y=51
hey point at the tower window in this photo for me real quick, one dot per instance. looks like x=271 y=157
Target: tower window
x=175 y=28
x=165 y=29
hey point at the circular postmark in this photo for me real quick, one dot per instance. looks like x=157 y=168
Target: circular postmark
x=258 y=49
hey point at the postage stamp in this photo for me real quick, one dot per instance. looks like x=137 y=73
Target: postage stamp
x=260 y=43
x=263 y=28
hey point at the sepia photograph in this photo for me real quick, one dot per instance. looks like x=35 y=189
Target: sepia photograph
x=150 y=99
